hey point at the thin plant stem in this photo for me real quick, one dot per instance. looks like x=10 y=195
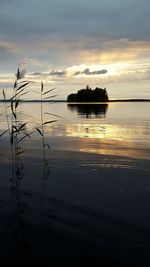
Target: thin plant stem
x=9 y=131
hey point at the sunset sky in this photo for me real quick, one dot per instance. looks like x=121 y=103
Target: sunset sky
x=69 y=44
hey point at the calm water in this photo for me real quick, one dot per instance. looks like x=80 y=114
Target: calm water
x=113 y=129
x=124 y=127
x=61 y=206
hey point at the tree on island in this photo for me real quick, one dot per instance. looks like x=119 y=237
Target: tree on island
x=89 y=95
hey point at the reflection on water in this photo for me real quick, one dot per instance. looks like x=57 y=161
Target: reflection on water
x=91 y=127
x=88 y=110
x=72 y=215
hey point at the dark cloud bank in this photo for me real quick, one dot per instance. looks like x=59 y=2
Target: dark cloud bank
x=57 y=30
x=66 y=19
x=88 y=72
x=63 y=73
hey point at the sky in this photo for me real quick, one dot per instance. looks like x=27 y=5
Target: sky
x=68 y=44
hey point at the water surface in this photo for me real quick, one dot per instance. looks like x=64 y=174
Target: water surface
x=116 y=128
x=87 y=200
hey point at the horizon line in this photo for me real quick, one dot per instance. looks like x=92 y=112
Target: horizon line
x=65 y=101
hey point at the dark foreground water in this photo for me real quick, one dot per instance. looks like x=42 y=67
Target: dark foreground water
x=87 y=200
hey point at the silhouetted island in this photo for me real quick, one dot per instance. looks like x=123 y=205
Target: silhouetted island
x=89 y=95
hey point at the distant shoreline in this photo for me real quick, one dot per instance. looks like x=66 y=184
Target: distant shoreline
x=65 y=101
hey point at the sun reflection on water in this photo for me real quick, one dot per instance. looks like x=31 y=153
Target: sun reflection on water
x=94 y=129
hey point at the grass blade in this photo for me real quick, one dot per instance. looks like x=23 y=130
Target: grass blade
x=52 y=114
x=50 y=96
x=48 y=146
x=17 y=94
x=42 y=86
x=15 y=84
x=22 y=85
x=19 y=152
x=12 y=137
x=26 y=135
x=14 y=127
x=24 y=94
x=4 y=95
x=12 y=108
x=48 y=122
x=3 y=133
x=39 y=131
x=17 y=103
x=22 y=126
x=49 y=91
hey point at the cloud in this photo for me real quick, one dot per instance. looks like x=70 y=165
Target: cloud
x=88 y=72
x=8 y=46
x=37 y=74
x=57 y=73
x=70 y=72
x=69 y=19
x=65 y=32
x=9 y=56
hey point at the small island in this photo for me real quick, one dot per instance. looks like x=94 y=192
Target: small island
x=89 y=95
